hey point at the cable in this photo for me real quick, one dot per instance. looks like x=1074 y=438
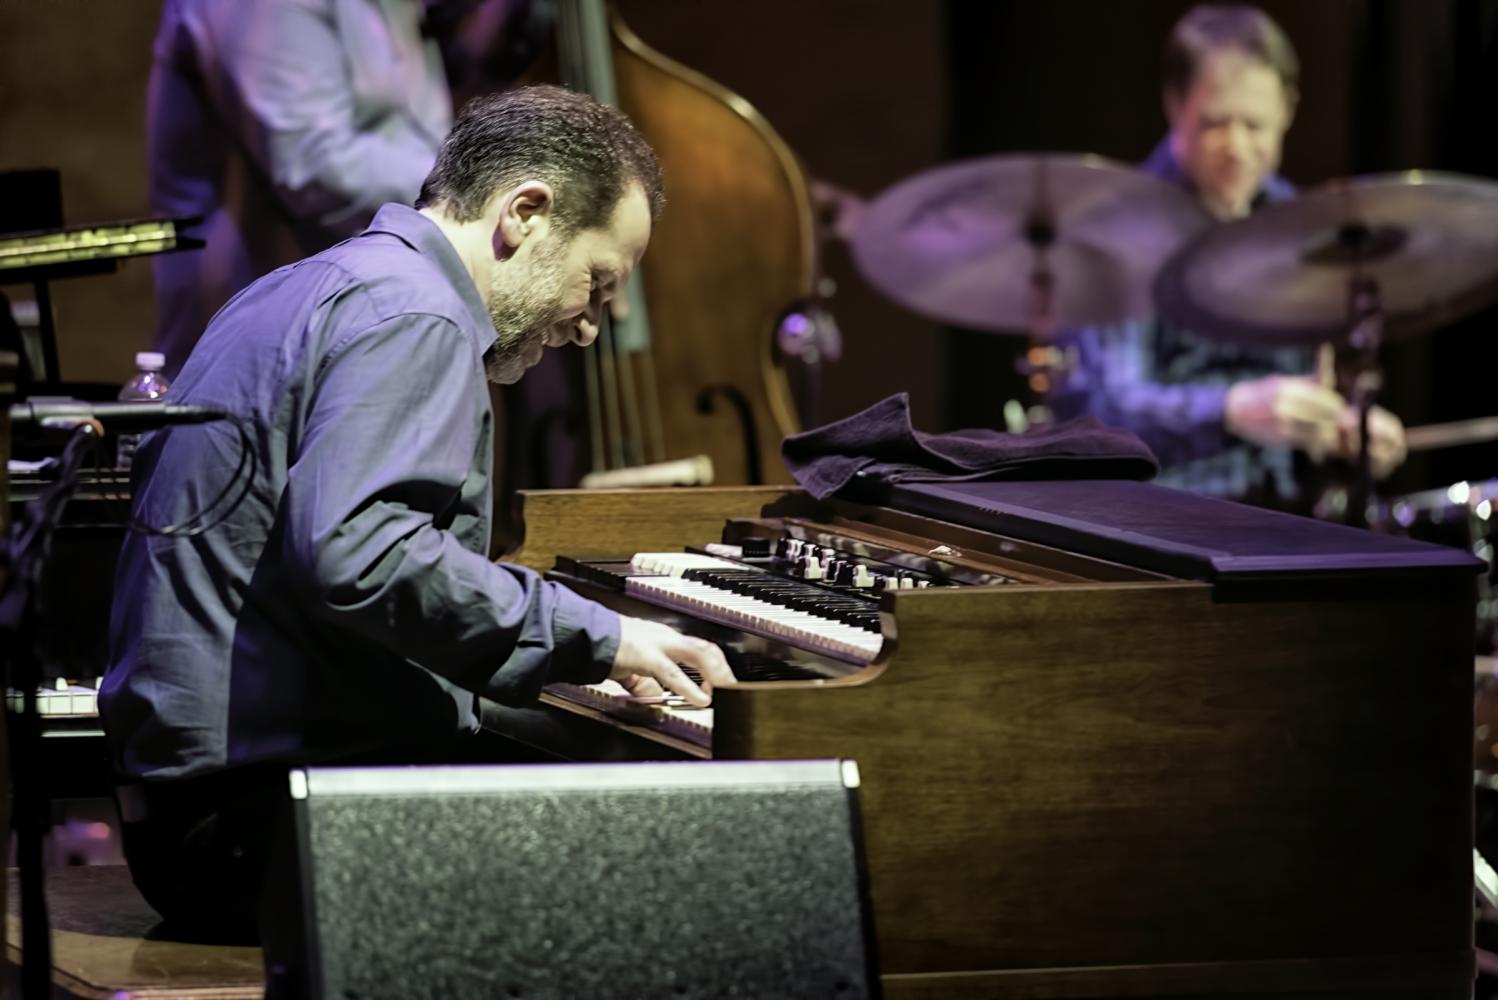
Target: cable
x=189 y=527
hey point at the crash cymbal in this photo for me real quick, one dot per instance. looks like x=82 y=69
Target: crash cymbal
x=960 y=243
x=1281 y=276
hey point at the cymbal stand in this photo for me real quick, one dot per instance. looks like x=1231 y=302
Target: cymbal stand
x=1043 y=362
x=1360 y=377
x=808 y=333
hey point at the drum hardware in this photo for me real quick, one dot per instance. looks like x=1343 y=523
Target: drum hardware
x=808 y=332
x=1486 y=881
x=1358 y=374
x=1463 y=515
x=1350 y=263
x=1037 y=242
x=1485 y=789
x=1280 y=277
x=1025 y=243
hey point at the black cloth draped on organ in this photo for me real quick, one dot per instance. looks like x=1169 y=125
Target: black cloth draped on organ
x=882 y=445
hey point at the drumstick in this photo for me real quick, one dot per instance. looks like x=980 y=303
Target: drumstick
x=1326 y=374
x=1451 y=435
x=1326 y=366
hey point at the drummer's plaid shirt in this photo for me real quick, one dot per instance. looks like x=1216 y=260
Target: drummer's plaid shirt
x=1169 y=387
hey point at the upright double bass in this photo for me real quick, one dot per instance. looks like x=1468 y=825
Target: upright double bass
x=692 y=371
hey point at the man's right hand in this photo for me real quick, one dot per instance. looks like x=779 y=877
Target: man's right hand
x=650 y=652
x=1286 y=411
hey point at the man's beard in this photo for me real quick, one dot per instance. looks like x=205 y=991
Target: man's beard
x=522 y=314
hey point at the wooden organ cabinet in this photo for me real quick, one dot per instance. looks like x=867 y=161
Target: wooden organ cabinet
x=1116 y=740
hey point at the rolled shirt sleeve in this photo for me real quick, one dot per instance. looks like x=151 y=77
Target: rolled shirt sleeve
x=1180 y=422
x=379 y=484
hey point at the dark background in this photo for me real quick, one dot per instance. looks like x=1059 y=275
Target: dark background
x=868 y=93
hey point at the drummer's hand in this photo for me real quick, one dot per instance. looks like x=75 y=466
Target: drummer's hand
x=649 y=652
x=1386 y=449
x=1286 y=411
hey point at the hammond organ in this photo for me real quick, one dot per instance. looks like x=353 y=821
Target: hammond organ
x=1115 y=740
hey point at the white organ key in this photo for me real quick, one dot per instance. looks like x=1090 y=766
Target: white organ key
x=677 y=563
x=60 y=699
x=802 y=628
x=683 y=721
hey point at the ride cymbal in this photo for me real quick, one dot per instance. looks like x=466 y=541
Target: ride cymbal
x=1282 y=276
x=960 y=243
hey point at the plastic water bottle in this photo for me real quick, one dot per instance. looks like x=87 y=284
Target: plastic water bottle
x=146 y=383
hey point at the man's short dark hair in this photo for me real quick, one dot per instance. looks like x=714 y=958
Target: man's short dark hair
x=1213 y=27
x=587 y=151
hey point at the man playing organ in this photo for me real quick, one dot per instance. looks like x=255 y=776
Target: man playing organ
x=345 y=608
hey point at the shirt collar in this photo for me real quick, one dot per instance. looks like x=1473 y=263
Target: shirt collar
x=422 y=235
x=1163 y=164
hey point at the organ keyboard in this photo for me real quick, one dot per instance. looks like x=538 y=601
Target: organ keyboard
x=1115 y=740
x=62 y=700
x=669 y=717
x=836 y=620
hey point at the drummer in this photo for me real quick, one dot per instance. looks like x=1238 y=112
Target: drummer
x=1223 y=420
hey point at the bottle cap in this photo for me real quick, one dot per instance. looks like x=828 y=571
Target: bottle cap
x=151 y=361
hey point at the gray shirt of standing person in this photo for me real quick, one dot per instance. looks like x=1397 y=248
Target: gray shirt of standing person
x=284 y=125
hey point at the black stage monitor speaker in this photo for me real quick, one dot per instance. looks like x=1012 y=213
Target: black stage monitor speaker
x=711 y=879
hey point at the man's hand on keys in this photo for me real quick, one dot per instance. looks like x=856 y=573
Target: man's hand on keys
x=650 y=658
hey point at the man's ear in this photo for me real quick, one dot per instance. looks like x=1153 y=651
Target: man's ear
x=519 y=214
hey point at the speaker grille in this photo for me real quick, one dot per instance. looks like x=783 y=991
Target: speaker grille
x=743 y=890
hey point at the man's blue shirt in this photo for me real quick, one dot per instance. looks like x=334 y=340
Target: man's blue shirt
x=1170 y=387
x=348 y=603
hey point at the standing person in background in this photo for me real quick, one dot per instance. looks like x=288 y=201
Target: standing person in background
x=284 y=125
x=1223 y=420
